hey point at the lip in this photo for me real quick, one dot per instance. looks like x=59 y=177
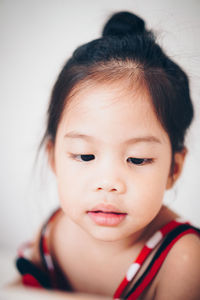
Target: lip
x=106 y=215
x=106 y=208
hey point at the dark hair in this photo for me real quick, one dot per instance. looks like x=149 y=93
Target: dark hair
x=126 y=48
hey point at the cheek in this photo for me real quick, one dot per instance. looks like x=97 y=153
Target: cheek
x=148 y=190
x=70 y=185
x=69 y=197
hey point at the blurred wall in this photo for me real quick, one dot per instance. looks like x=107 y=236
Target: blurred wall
x=36 y=38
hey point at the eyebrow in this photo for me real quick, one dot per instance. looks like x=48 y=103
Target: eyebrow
x=134 y=140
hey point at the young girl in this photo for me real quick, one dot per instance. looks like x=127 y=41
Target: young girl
x=117 y=119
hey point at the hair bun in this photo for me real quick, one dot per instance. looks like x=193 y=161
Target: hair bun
x=123 y=23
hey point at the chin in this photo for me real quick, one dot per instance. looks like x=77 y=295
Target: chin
x=106 y=234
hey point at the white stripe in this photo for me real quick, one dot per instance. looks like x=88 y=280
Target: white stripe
x=132 y=271
x=47 y=229
x=28 y=253
x=154 y=240
x=49 y=261
x=181 y=220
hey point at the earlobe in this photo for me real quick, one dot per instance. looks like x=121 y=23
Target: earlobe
x=179 y=158
x=50 y=154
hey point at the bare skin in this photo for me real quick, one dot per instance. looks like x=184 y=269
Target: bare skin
x=109 y=278
x=104 y=272
x=95 y=257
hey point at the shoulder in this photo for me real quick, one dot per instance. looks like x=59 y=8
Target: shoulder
x=180 y=273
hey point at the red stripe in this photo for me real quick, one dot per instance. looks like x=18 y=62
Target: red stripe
x=120 y=288
x=169 y=227
x=156 y=266
x=143 y=255
x=54 y=215
x=30 y=280
x=45 y=245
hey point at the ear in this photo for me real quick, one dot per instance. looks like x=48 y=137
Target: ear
x=179 y=158
x=50 y=154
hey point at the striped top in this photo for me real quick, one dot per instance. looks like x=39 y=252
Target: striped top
x=51 y=278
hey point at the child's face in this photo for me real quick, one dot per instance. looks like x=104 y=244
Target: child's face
x=112 y=161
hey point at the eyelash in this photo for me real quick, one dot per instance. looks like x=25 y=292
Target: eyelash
x=140 y=161
x=88 y=157
x=132 y=160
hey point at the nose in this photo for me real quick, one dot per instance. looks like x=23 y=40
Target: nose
x=111 y=185
x=111 y=175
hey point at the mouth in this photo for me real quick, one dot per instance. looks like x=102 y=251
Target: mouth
x=106 y=216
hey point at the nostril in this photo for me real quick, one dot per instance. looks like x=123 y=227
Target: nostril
x=99 y=189
x=110 y=190
x=114 y=187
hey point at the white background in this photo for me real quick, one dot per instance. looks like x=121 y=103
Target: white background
x=36 y=38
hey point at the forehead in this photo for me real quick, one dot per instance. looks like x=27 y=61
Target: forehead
x=106 y=98
x=102 y=108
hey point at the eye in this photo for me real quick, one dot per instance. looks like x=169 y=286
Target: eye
x=84 y=157
x=139 y=161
